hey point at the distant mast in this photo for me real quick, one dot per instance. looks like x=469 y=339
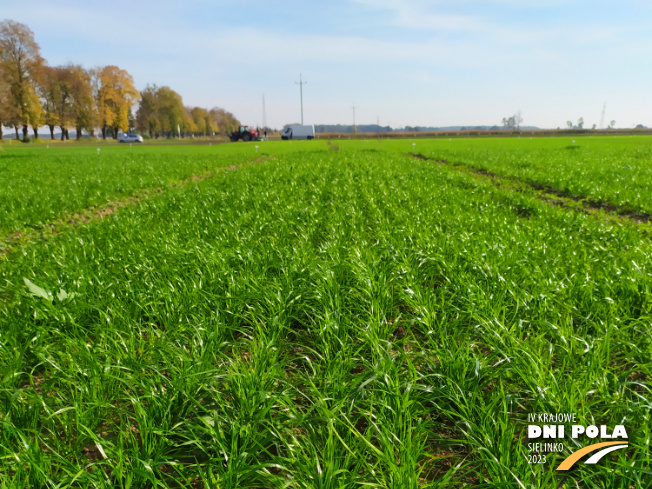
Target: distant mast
x=301 y=83
x=264 y=114
x=604 y=109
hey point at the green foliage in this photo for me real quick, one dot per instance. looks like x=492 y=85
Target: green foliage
x=606 y=170
x=320 y=319
x=38 y=185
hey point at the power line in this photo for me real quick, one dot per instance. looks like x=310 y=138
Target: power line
x=301 y=83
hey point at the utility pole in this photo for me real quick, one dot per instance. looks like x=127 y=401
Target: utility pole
x=264 y=114
x=354 y=130
x=301 y=83
x=604 y=109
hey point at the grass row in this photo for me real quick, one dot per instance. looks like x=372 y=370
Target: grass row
x=39 y=185
x=605 y=171
x=331 y=319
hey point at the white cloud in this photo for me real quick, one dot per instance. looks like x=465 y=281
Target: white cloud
x=419 y=15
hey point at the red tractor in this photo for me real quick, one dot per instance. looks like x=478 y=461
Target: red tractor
x=245 y=133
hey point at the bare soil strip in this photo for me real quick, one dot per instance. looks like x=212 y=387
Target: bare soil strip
x=96 y=213
x=547 y=193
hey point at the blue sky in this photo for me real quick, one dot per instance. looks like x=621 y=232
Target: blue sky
x=407 y=62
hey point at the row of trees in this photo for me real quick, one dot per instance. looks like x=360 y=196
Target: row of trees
x=162 y=113
x=33 y=94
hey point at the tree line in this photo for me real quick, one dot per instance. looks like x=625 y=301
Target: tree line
x=162 y=114
x=34 y=94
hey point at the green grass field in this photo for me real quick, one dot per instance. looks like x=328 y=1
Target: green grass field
x=295 y=316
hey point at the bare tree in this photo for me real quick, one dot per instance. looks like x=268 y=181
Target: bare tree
x=509 y=122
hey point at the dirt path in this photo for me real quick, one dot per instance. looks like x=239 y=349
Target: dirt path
x=549 y=194
x=95 y=213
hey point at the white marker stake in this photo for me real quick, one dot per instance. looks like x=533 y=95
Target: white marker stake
x=98 y=151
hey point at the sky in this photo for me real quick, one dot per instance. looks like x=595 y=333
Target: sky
x=398 y=62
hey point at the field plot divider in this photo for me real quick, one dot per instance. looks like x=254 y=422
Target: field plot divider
x=548 y=194
x=95 y=213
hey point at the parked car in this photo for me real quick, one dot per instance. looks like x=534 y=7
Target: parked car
x=130 y=138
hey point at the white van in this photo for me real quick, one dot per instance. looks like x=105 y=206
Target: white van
x=299 y=132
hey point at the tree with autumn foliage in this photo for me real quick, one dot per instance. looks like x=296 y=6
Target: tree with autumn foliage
x=9 y=115
x=202 y=120
x=82 y=104
x=49 y=98
x=67 y=99
x=188 y=126
x=20 y=68
x=114 y=95
x=147 y=116
x=224 y=121
x=161 y=112
x=56 y=92
x=170 y=110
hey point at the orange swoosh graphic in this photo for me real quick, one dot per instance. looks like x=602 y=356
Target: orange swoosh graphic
x=575 y=456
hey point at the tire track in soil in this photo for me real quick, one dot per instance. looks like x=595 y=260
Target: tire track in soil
x=548 y=194
x=96 y=213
